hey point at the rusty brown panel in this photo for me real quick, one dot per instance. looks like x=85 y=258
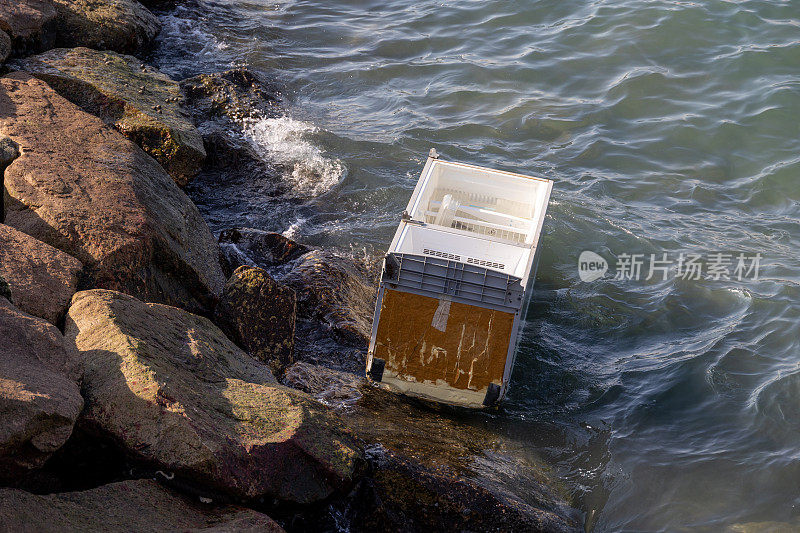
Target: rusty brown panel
x=469 y=354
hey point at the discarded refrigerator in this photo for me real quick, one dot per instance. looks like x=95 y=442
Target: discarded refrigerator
x=456 y=282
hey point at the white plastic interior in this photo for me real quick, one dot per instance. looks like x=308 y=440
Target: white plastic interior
x=495 y=255
x=491 y=203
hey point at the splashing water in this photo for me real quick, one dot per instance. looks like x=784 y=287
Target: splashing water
x=284 y=141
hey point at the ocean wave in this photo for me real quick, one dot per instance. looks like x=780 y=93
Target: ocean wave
x=284 y=142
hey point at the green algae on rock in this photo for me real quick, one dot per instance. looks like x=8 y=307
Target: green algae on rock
x=139 y=101
x=124 y=26
x=174 y=392
x=258 y=314
x=82 y=187
x=133 y=505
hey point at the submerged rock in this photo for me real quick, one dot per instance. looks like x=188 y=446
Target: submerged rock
x=124 y=26
x=428 y=469
x=42 y=278
x=39 y=396
x=255 y=247
x=258 y=313
x=221 y=103
x=135 y=505
x=140 y=102
x=336 y=291
x=176 y=393
x=235 y=94
x=29 y=24
x=83 y=188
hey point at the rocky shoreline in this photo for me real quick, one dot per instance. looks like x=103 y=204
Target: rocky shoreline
x=156 y=376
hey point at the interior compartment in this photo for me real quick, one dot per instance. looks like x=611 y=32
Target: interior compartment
x=496 y=204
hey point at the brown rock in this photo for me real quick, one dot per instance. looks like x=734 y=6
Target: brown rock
x=5 y=46
x=83 y=188
x=143 y=104
x=29 y=23
x=430 y=470
x=42 y=278
x=135 y=505
x=258 y=313
x=39 y=396
x=176 y=393
x=255 y=247
x=335 y=290
x=124 y=26
x=5 y=290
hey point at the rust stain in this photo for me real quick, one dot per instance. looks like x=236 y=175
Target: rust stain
x=469 y=354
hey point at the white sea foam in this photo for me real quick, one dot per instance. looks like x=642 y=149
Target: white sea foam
x=284 y=141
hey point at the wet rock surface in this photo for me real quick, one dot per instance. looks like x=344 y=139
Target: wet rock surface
x=255 y=247
x=41 y=278
x=29 y=24
x=428 y=467
x=125 y=26
x=235 y=179
x=174 y=392
x=139 y=101
x=83 y=188
x=258 y=314
x=137 y=505
x=39 y=396
x=336 y=291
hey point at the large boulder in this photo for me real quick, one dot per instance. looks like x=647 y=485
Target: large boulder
x=430 y=470
x=140 y=102
x=176 y=393
x=125 y=26
x=41 y=278
x=258 y=313
x=30 y=24
x=83 y=188
x=255 y=247
x=335 y=290
x=135 y=505
x=39 y=396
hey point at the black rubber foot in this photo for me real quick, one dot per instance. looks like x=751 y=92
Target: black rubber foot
x=376 y=370
x=492 y=394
